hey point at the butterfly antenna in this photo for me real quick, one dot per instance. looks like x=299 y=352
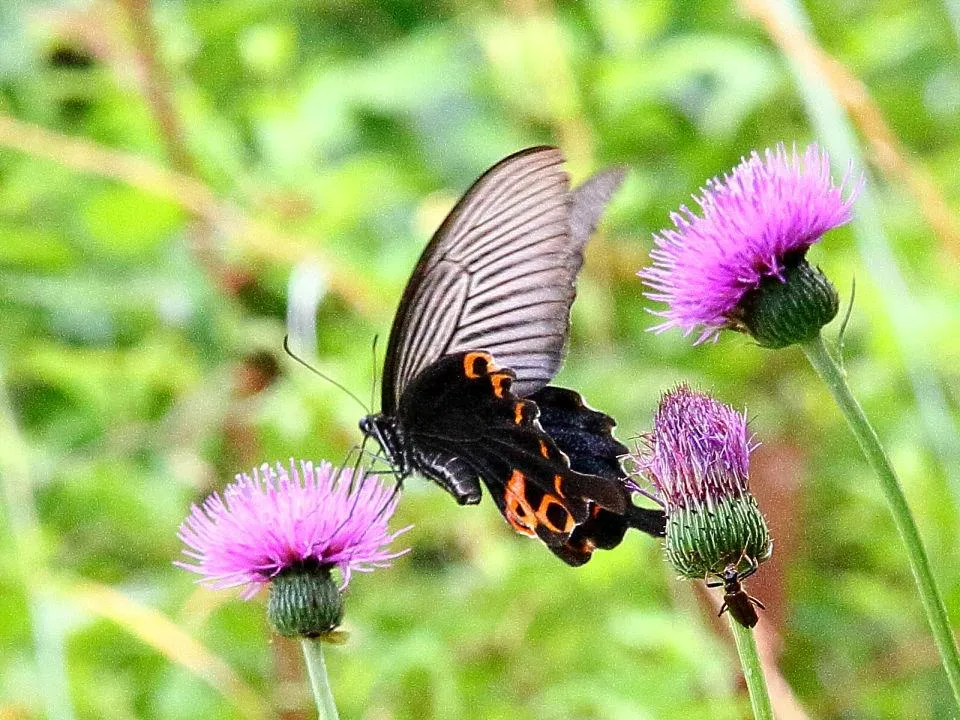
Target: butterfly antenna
x=308 y=366
x=373 y=389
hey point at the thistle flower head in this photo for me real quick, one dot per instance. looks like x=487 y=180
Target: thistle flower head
x=698 y=451
x=697 y=460
x=292 y=527
x=755 y=225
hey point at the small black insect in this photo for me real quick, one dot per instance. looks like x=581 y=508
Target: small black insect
x=735 y=598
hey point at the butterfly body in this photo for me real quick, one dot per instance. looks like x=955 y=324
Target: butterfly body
x=494 y=286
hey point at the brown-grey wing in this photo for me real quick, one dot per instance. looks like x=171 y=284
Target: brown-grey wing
x=499 y=273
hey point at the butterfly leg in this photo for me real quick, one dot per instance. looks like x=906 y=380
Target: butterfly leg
x=397 y=487
x=386 y=472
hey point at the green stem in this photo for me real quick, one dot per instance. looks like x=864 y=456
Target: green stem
x=317 y=669
x=835 y=378
x=752 y=670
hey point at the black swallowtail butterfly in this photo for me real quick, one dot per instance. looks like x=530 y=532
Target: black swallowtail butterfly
x=496 y=283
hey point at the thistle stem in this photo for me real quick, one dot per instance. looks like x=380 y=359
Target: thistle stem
x=835 y=378
x=319 y=683
x=752 y=670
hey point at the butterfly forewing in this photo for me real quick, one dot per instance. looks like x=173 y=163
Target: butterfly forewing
x=497 y=275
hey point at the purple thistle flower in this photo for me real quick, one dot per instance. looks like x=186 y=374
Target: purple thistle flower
x=765 y=213
x=277 y=519
x=698 y=452
x=698 y=460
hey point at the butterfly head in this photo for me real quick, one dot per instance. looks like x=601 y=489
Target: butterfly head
x=383 y=429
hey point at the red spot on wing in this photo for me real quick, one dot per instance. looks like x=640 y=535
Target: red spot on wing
x=551 y=514
x=517 y=509
x=543 y=515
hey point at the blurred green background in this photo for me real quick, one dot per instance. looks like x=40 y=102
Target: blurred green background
x=181 y=180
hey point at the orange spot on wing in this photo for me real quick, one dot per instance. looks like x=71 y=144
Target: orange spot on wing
x=501 y=382
x=518 y=413
x=477 y=364
x=517 y=509
x=545 y=451
x=557 y=482
x=542 y=516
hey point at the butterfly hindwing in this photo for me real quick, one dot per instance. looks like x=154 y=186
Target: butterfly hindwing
x=585 y=436
x=462 y=410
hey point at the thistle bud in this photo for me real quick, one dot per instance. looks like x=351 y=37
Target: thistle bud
x=790 y=309
x=697 y=460
x=305 y=601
